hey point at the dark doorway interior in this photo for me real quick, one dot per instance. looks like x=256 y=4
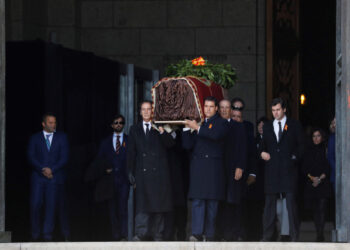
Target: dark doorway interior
x=83 y=91
x=318 y=61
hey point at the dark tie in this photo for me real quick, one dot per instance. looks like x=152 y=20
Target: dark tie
x=147 y=129
x=279 y=131
x=117 y=145
x=48 y=144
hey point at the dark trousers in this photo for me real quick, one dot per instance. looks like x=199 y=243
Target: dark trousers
x=269 y=218
x=253 y=219
x=43 y=194
x=175 y=224
x=319 y=213
x=228 y=221
x=63 y=211
x=149 y=224
x=118 y=211
x=204 y=217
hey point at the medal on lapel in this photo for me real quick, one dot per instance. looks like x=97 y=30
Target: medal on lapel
x=210 y=126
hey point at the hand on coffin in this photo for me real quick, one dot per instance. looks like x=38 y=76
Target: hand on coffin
x=161 y=129
x=191 y=124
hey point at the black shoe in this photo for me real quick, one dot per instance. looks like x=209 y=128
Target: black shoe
x=196 y=238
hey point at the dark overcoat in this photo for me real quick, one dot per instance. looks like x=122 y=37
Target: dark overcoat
x=235 y=157
x=147 y=161
x=281 y=171
x=207 y=173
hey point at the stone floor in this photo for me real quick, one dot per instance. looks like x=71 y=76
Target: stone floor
x=174 y=246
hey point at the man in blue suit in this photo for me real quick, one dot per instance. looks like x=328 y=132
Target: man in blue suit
x=48 y=155
x=113 y=149
x=207 y=174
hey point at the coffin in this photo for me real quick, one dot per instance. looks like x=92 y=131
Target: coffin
x=176 y=99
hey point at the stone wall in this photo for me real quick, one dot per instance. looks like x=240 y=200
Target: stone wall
x=154 y=33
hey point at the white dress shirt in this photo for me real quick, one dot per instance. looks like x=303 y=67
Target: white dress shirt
x=145 y=127
x=115 y=139
x=276 y=126
x=45 y=136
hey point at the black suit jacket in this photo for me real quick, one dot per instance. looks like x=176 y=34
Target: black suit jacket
x=281 y=171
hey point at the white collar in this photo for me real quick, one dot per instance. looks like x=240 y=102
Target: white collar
x=283 y=120
x=47 y=133
x=115 y=134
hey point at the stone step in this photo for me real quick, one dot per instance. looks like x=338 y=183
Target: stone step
x=174 y=246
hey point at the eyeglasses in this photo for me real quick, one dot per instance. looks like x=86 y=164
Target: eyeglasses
x=237 y=108
x=116 y=123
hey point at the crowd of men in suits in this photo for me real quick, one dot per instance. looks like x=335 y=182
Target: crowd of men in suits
x=238 y=184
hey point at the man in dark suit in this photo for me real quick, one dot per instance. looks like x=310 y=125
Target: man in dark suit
x=282 y=147
x=48 y=154
x=207 y=174
x=235 y=163
x=149 y=172
x=249 y=175
x=114 y=150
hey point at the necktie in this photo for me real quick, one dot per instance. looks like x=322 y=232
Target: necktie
x=147 y=129
x=48 y=144
x=117 y=145
x=279 y=131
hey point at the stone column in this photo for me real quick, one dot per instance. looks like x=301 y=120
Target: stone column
x=342 y=232
x=4 y=236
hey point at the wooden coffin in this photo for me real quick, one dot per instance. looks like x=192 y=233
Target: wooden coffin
x=180 y=98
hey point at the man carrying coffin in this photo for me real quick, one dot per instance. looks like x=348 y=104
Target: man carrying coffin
x=207 y=173
x=149 y=173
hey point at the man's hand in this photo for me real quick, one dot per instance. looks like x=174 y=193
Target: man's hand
x=238 y=174
x=251 y=179
x=191 y=124
x=265 y=156
x=109 y=171
x=161 y=130
x=47 y=172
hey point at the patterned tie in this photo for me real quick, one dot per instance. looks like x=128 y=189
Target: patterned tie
x=147 y=129
x=279 y=131
x=117 y=145
x=48 y=144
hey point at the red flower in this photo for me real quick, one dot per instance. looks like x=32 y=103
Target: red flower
x=199 y=61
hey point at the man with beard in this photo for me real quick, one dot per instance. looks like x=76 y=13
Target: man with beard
x=235 y=162
x=112 y=178
x=149 y=173
x=207 y=174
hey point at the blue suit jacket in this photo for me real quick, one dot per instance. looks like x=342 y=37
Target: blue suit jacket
x=118 y=161
x=39 y=156
x=207 y=174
